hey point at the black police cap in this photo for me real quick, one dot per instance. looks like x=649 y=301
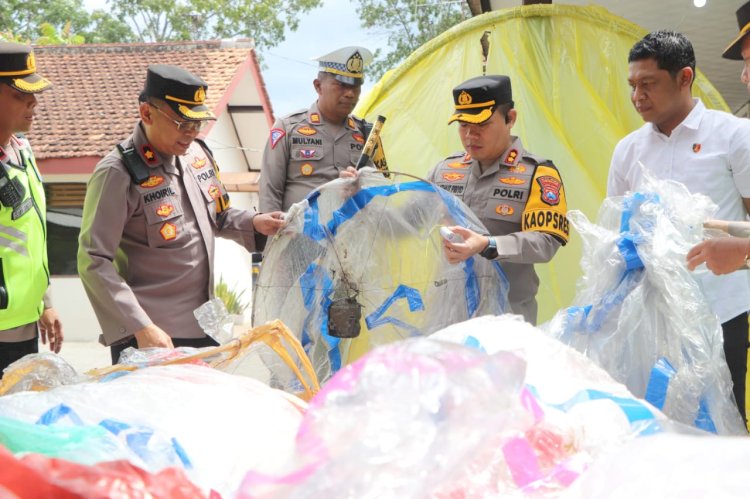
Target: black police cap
x=184 y=92
x=477 y=98
x=733 y=51
x=18 y=68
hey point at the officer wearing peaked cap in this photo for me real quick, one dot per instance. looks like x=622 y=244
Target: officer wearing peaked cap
x=25 y=306
x=153 y=207
x=519 y=197
x=311 y=146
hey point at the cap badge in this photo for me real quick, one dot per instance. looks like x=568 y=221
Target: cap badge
x=31 y=62
x=355 y=64
x=200 y=95
x=464 y=98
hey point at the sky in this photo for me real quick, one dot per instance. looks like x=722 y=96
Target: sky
x=288 y=71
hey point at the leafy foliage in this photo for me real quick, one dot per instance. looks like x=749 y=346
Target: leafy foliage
x=231 y=297
x=67 y=22
x=263 y=20
x=58 y=22
x=408 y=24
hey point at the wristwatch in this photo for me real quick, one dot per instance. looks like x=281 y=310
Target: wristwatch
x=490 y=252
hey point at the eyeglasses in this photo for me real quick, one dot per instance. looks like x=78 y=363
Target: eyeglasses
x=183 y=126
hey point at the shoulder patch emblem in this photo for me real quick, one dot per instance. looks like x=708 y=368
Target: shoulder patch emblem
x=214 y=191
x=358 y=137
x=148 y=153
x=550 y=189
x=164 y=210
x=168 y=231
x=306 y=169
x=511 y=180
x=504 y=210
x=276 y=135
x=306 y=130
x=453 y=177
x=315 y=118
x=152 y=181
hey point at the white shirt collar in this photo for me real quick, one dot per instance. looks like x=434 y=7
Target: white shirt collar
x=691 y=121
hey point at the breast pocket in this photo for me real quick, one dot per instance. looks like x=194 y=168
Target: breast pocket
x=504 y=210
x=164 y=222
x=307 y=161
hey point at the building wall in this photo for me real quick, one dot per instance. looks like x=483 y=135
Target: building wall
x=72 y=305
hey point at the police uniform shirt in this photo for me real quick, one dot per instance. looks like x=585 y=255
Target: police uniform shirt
x=709 y=152
x=146 y=251
x=304 y=152
x=507 y=198
x=27 y=331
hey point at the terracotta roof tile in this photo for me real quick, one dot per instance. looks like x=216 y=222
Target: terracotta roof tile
x=93 y=103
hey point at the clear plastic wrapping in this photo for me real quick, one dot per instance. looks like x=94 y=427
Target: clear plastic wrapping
x=370 y=248
x=641 y=315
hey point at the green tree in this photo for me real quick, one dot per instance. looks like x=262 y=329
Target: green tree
x=407 y=24
x=59 y=21
x=263 y=20
x=51 y=36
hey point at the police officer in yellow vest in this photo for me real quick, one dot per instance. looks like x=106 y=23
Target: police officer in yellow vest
x=311 y=146
x=153 y=207
x=25 y=308
x=518 y=196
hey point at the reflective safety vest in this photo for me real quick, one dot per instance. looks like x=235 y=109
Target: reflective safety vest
x=24 y=271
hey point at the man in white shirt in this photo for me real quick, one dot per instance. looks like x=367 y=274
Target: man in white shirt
x=706 y=150
x=725 y=255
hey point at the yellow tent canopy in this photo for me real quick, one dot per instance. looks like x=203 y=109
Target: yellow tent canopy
x=568 y=66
